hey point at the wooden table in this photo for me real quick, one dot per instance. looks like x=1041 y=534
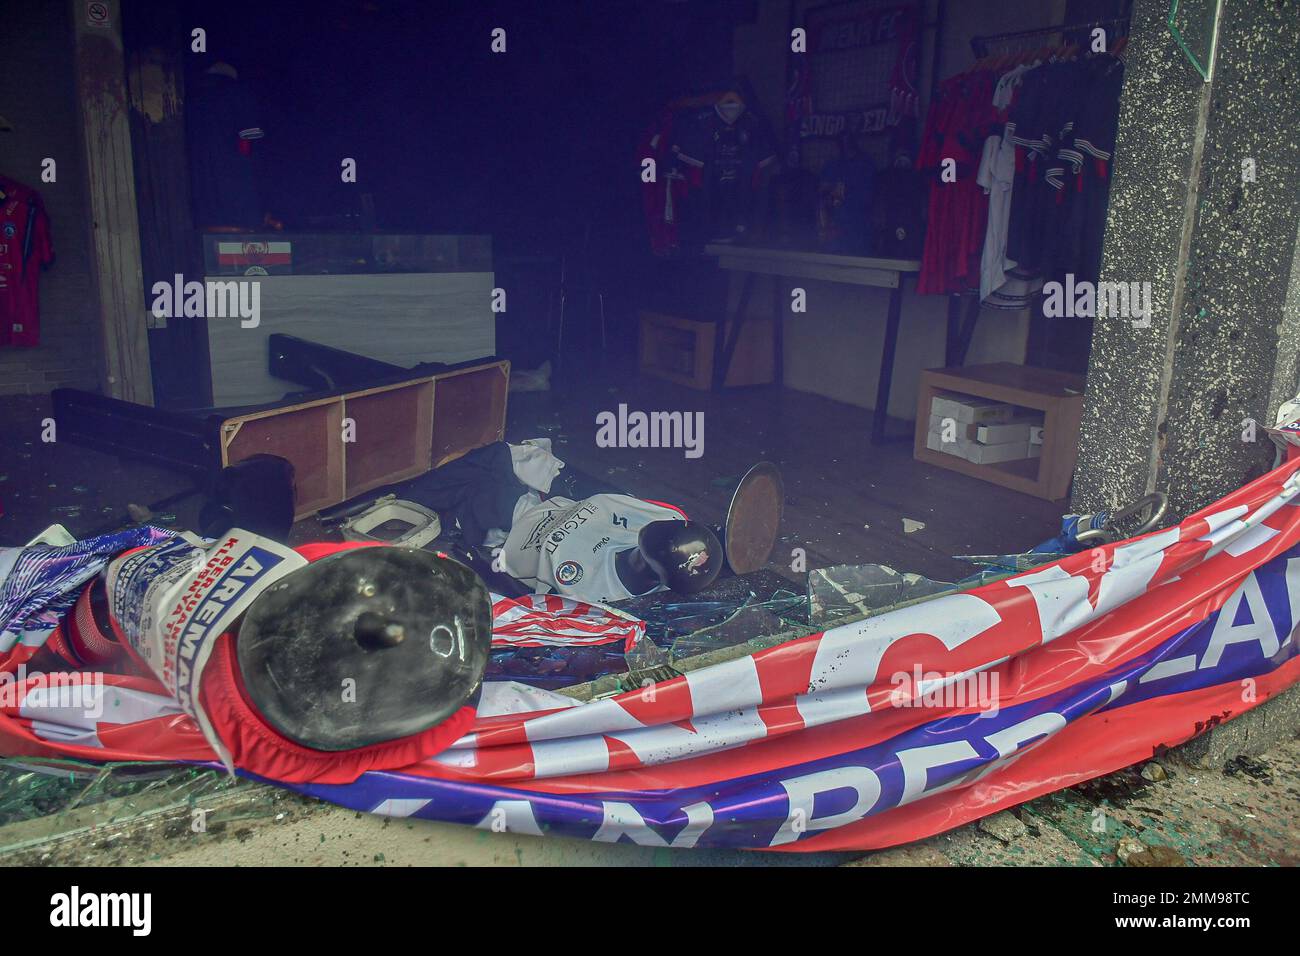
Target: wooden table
x=1058 y=395
x=849 y=270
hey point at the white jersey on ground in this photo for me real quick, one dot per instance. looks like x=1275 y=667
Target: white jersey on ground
x=567 y=547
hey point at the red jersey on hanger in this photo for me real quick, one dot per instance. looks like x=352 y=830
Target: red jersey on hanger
x=24 y=248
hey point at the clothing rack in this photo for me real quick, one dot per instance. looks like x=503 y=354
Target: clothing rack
x=981 y=46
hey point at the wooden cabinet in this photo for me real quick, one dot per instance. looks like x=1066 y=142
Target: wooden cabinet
x=396 y=432
x=682 y=350
x=1058 y=395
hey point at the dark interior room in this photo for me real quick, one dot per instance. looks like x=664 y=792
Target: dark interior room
x=649 y=431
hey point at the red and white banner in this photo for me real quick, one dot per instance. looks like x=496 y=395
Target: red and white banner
x=254 y=253
x=542 y=620
x=873 y=733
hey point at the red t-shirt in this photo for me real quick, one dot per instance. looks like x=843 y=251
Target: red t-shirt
x=24 y=248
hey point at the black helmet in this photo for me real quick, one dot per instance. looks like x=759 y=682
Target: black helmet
x=686 y=555
x=410 y=629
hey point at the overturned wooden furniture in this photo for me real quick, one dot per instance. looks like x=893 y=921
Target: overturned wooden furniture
x=346 y=444
x=342 y=442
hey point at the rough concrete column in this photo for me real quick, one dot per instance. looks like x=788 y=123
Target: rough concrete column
x=1165 y=404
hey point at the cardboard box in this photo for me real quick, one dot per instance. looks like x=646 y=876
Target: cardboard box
x=1012 y=431
x=979 y=454
x=960 y=430
x=991 y=454
x=934 y=441
x=968 y=408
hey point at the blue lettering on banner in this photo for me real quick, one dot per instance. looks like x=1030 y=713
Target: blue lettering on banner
x=251 y=567
x=137 y=572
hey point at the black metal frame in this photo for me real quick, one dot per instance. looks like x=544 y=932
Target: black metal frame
x=190 y=441
x=980 y=45
x=181 y=441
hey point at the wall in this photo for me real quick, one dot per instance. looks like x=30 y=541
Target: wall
x=834 y=349
x=36 y=96
x=1204 y=208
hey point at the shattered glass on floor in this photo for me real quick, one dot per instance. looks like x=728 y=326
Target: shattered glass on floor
x=37 y=788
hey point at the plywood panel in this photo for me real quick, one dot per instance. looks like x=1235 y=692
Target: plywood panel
x=681 y=350
x=1059 y=395
x=309 y=436
x=400 y=431
x=399 y=318
x=469 y=410
x=394 y=436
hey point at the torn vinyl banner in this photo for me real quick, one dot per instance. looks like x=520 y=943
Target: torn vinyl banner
x=868 y=734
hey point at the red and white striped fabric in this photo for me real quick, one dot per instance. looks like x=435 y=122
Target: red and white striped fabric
x=1101 y=659
x=547 y=620
x=1151 y=586
x=256 y=253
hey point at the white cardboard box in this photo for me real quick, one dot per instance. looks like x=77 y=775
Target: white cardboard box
x=962 y=430
x=934 y=441
x=968 y=408
x=990 y=454
x=1018 y=430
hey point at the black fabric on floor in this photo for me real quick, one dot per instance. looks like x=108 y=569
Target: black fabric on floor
x=478 y=491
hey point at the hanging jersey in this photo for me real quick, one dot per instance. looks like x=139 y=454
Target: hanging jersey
x=221 y=122
x=24 y=249
x=729 y=156
x=567 y=547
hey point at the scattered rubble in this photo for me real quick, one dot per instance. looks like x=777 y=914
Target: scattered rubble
x=1252 y=767
x=1004 y=826
x=1154 y=772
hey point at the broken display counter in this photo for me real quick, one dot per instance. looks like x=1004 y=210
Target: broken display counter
x=345 y=445
x=340 y=444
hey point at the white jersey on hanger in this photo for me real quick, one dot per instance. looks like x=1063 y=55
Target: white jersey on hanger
x=567 y=547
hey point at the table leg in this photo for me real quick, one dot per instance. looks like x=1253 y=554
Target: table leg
x=780 y=305
x=960 y=329
x=954 y=331
x=880 y=416
x=722 y=350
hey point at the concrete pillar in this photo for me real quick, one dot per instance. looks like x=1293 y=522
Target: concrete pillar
x=1205 y=205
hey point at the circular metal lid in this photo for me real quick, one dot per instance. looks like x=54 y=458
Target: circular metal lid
x=754 y=518
x=366 y=645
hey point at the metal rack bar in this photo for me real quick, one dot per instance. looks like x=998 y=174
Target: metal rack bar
x=980 y=45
